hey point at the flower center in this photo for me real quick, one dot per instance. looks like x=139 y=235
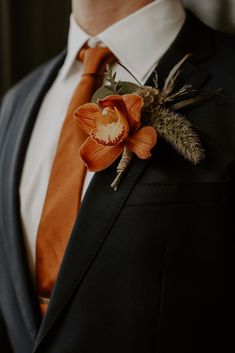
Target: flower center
x=111 y=127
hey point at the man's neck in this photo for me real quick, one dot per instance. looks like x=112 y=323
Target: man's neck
x=94 y=16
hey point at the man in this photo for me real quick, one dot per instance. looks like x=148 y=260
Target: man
x=145 y=267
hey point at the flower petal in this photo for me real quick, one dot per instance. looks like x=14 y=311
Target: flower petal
x=142 y=142
x=111 y=101
x=98 y=157
x=111 y=128
x=134 y=104
x=115 y=101
x=129 y=104
x=85 y=115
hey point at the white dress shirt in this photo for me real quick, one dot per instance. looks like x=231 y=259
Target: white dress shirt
x=138 y=41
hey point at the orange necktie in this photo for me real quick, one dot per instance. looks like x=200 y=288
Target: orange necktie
x=67 y=177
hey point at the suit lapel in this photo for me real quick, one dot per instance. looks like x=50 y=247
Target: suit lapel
x=13 y=152
x=194 y=38
x=91 y=229
x=94 y=223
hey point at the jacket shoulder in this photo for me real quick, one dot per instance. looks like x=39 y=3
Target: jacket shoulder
x=224 y=40
x=20 y=90
x=224 y=45
x=17 y=95
x=220 y=64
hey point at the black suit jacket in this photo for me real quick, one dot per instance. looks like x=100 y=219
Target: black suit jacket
x=147 y=267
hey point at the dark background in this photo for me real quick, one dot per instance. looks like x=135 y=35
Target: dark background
x=32 y=31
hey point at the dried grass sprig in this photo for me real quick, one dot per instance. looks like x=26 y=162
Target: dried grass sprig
x=173 y=75
x=178 y=131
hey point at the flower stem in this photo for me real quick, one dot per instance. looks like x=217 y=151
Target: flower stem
x=125 y=68
x=122 y=167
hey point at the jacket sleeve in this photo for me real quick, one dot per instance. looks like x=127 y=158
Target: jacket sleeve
x=7 y=106
x=5 y=345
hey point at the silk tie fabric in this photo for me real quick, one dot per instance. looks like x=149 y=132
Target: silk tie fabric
x=64 y=191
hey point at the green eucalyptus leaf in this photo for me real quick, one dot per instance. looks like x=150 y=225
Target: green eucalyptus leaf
x=121 y=88
x=126 y=87
x=101 y=93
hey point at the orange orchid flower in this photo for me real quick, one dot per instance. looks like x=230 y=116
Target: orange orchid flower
x=113 y=124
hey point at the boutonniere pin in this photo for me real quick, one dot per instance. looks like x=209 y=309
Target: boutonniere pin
x=125 y=119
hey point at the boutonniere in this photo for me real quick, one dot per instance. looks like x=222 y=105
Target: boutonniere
x=126 y=119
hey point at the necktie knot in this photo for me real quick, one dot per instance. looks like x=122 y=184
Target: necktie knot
x=95 y=60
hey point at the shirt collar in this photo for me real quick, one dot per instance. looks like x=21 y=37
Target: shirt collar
x=138 y=41
x=76 y=39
